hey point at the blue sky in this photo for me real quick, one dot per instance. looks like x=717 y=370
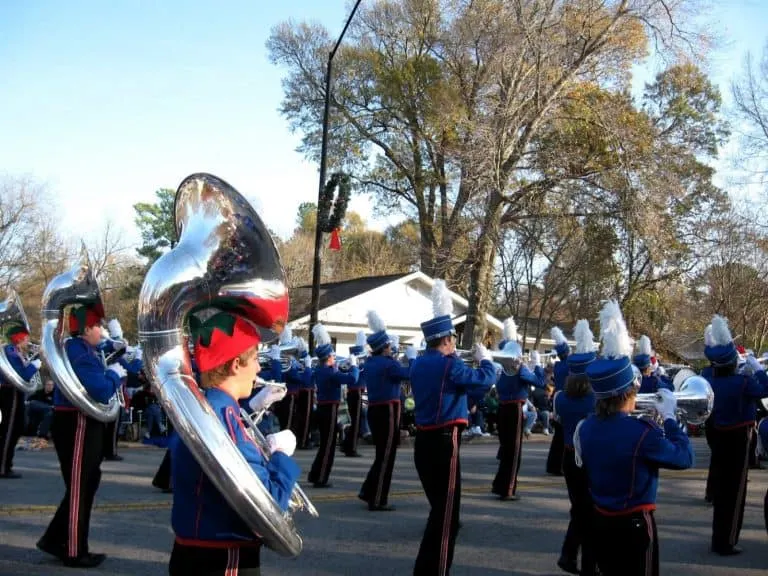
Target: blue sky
x=104 y=102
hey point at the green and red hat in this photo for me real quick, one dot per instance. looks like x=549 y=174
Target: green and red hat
x=82 y=317
x=222 y=338
x=16 y=333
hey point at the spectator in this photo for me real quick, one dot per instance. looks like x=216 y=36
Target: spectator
x=491 y=410
x=40 y=410
x=146 y=401
x=529 y=412
x=542 y=401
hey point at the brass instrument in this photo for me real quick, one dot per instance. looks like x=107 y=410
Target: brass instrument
x=288 y=352
x=225 y=258
x=695 y=399
x=12 y=312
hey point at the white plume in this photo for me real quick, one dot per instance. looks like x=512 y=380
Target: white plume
x=644 y=345
x=360 y=338
x=510 y=329
x=394 y=341
x=708 y=335
x=321 y=335
x=375 y=322
x=613 y=331
x=585 y=340
x=558 y=336
x=286 y=336
x=442 y=303
x=721 y=335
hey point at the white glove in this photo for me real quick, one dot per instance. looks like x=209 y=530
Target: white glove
x=410 y=352
x=115 y=330
x=307 y=361
x=666 y=404
x=118 y=345
x=119 y=370
x=267 y=396
x=481 y=353
x=274 y=352
x=754 y=364
x=301 y=346
x=352 y=360
x=284 y=441
x=139 y=354
x=36 y=363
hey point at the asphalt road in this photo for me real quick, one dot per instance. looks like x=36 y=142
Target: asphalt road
x=131 y=520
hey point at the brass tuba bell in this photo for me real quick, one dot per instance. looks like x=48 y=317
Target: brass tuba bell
x=695 y=399
x=226 y=259
x=12 y=312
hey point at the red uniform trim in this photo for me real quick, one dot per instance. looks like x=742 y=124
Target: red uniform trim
x=640 y=508
x=384 y=403
x=447 y=424
x=747 y=424
x=65 y=409
x=218 y=543
x=503 y=402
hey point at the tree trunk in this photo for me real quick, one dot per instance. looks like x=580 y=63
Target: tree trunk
x=481 y=275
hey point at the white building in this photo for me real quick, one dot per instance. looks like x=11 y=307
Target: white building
x=402 y=300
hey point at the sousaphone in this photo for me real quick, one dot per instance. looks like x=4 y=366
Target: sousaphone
x=12 y=312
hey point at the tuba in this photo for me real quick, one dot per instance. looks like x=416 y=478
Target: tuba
x=12 y=312
x=226 y=259
x=695 y=399
x=75 y=287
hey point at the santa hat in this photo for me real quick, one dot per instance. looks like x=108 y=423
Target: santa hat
x=585 y=353
x=561 y=344
x=440 y=325
x=86 y=316
x=223 y=337
x=510 y=332
x=720 y=350
x=16 y=333
x=323 y=346
x=611 y=374
x=379 y=339
x=359 y=347
x=643 y=357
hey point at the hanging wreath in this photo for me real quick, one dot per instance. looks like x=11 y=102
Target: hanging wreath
x=331 y=212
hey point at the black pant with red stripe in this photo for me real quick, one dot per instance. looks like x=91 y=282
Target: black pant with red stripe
x=730 y=466
x=384 y=420
x=510 y=449
x=708 y=427
x=627 y=545
x=284 y=411
x=162 y=477
x=79 y=442
x=436 y=455
x=110 y=438
x=354 y=405
x=555 y=456
x=12 y=408
x=205 y=561
x=326 y=422
x=579 y=534
x=303 y=417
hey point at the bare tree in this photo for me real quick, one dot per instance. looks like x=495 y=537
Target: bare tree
x=750 y=95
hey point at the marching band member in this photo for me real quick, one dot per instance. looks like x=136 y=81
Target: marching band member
x=329 y=381
x=306 y=399
x=211 y=538
x=514 y=383
x=571 y=405
x=762 y=433
x=650 y=383
x=355 y=401
x=622 y=456
x=12 y=399
x=285 y=409
x=734 y=422
x=383 y=377
x=79 y=441
x=560 y=372
x=110 y=345
x=440 y=381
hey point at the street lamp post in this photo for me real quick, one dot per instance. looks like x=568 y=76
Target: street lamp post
x=323 y=157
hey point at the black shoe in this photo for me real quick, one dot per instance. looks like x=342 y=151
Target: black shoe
x=114 y=458
x=384 y=508
x=567 y=565
x=322 y=485
x=362 y=497
x=85 y=561
x=10 y=475
x=728 y=551
x=353 y=454
x=513 y=498
x=44 y=545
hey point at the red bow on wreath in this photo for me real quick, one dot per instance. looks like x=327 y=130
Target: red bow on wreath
x=335 y=240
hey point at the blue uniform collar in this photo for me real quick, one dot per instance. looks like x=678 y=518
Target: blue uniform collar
x=221 y=396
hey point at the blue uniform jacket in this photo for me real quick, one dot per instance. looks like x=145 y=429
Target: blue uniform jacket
x=440 y=384
x=560 y=372
x=762 y=434
x=329 y=380
x=200 y=515
x=26 y=371
x=383 y=375
x=622 y=456
x=541 y=379
x=736 y=397
x=651 y=385
x=360 y=384
x=569 y=411
x=295 y=377
x=99 y=382
x=516 y=388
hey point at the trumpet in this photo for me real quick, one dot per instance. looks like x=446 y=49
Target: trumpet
x=288 y=353
x=695 y=399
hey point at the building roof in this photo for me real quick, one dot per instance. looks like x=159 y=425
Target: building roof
x=335 y=292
